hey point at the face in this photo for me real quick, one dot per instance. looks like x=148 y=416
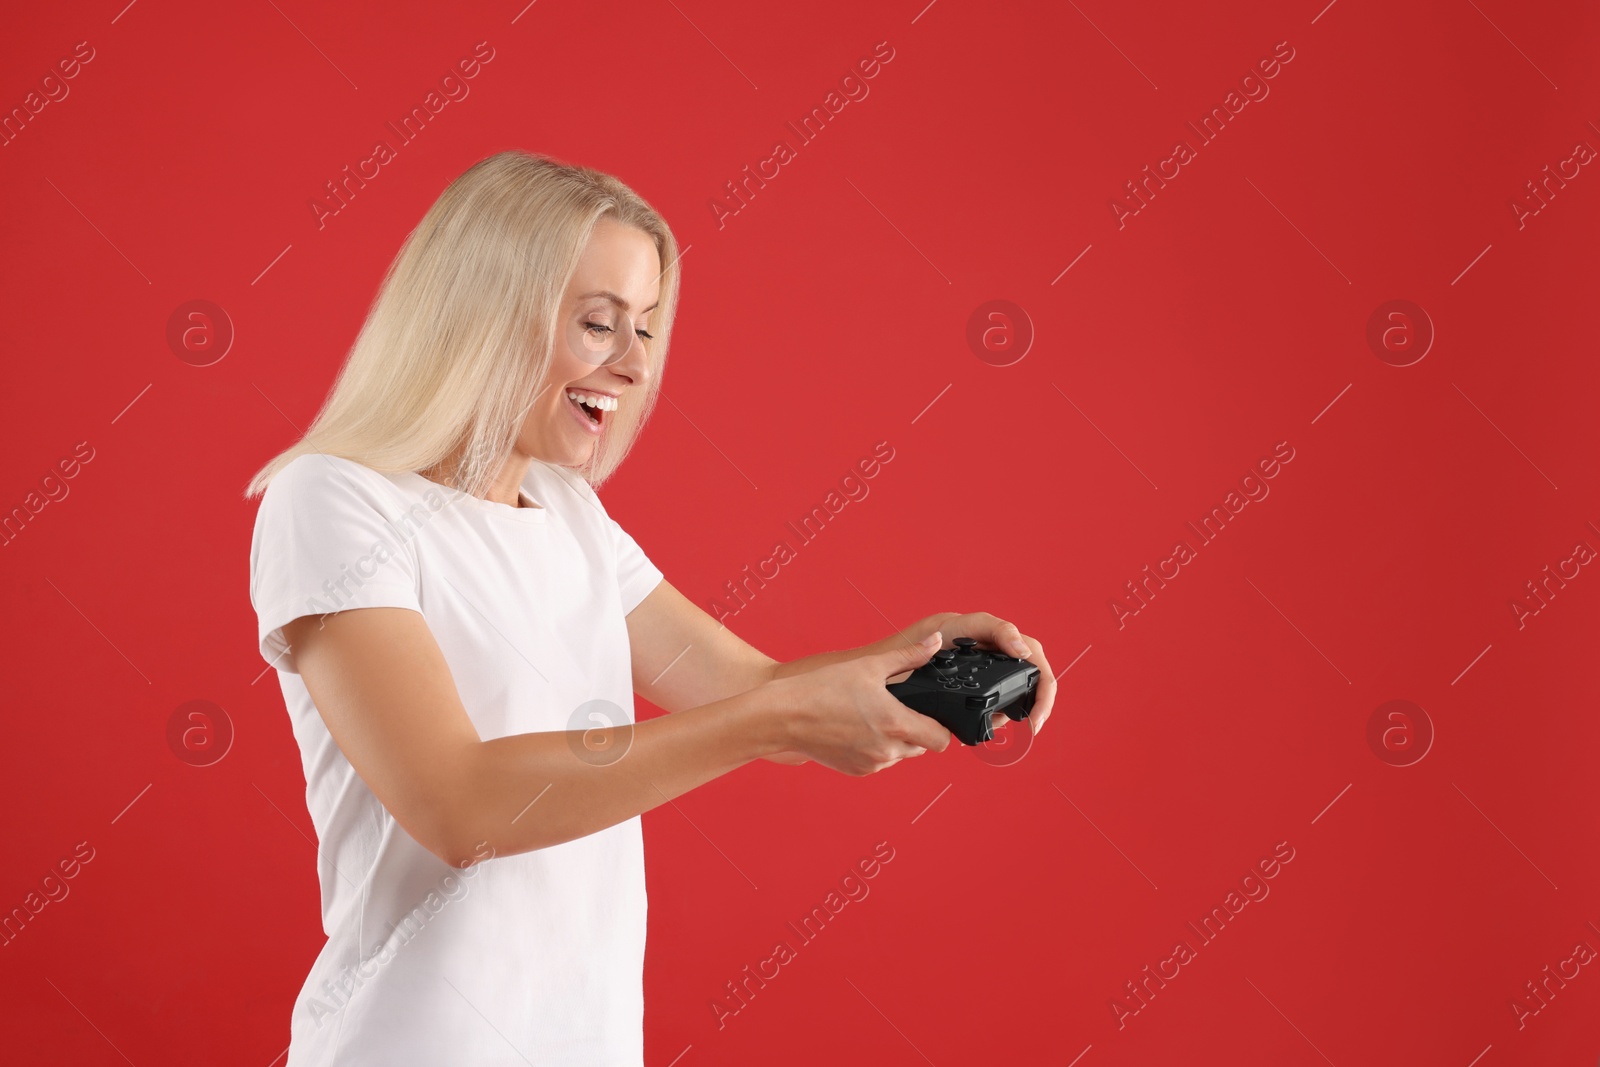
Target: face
x=600 y=353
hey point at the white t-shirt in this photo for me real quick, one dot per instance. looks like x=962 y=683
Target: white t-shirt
x=536 y=957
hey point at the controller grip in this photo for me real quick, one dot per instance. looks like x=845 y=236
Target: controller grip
x=968 y=728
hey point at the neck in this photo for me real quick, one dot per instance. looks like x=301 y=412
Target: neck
x=504 y=488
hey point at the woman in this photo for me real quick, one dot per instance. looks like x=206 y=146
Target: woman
x=459 y=629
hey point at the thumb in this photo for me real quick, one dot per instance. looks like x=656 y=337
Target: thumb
x=909 y=657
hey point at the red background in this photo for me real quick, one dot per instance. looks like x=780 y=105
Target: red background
x=1228 y=715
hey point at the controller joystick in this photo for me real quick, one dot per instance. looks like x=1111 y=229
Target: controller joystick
x=962 y=687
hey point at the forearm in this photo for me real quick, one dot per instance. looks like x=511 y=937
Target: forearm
x=529 y=791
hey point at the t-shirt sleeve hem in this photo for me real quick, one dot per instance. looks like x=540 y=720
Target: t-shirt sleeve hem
x=273 y=617
x=638 y=586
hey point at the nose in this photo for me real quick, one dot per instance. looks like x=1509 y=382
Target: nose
x=634 y=364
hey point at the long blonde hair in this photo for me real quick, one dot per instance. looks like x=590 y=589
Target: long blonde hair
x=458 y=341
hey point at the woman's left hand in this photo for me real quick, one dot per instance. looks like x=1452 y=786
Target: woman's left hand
x=998 y=635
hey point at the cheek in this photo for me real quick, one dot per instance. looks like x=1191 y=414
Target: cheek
x=542 y=414
x=566 y=367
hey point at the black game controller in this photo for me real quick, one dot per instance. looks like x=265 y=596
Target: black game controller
x=962 y=686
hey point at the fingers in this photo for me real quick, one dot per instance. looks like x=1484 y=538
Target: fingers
x=996 y=633
x=1015 y=643
x=999 y=634
x=895 y=755
x=909 y=656
x=904 y=729
x=1044 y=700
x=925 y=733
x=911 y=735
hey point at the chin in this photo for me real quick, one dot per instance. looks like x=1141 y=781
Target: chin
x=576 y=457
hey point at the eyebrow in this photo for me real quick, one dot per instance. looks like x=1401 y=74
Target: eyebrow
x=617 y=300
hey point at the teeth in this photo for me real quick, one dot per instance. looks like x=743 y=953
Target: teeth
x=604 y=403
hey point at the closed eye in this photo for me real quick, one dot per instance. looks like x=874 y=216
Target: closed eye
x=603 y=328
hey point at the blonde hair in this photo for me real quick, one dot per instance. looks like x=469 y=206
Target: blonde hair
x=457 y=344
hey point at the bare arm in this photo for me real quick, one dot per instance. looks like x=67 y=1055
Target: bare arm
x=382 y=685
x=683 y=658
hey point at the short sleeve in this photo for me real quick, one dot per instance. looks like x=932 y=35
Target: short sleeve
x=329 y=536
x=636 y=575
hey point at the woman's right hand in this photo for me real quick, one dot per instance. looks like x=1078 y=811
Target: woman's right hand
x=843 y=716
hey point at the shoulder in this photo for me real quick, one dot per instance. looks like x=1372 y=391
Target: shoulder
x=318 y=495
x=320 y=477
x=322 y=511
x=318 y=468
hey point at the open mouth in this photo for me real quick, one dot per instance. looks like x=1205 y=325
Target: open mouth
x=592 y=406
